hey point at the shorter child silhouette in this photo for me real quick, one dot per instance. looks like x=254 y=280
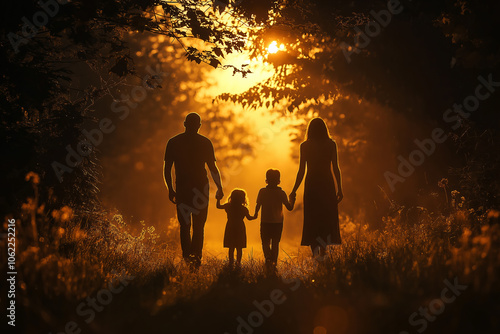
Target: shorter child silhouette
x=235 y=236
x=271 y=199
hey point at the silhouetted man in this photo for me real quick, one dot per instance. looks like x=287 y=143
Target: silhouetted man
x=188 y=152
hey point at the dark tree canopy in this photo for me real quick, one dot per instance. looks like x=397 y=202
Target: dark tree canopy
x=424 y=51
x=42 y=107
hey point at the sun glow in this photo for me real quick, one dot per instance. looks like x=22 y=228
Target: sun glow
x=269 y=128
x=273 y=47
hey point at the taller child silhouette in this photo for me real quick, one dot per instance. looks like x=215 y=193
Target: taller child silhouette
x=188 y=152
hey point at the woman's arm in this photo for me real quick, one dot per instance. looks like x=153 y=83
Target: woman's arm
x=220 y=206
x=300 y=173
x=288 y=202
x=336 y=172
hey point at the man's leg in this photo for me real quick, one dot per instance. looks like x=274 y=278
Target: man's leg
x=199 y=220
x=184 y=213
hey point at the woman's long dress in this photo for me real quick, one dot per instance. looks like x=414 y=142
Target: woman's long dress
x=321 y=217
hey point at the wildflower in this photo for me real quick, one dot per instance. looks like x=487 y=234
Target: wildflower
x=30 y=205
x=63 y=215
x=443 y=183
x=33 y=177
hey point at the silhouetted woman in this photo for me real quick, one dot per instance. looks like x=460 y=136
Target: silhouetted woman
x=318 y=153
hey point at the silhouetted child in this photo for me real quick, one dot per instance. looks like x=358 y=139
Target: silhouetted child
x=271 y=199
x=235 y=236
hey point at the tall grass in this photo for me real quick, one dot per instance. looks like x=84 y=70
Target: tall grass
x=60 y=261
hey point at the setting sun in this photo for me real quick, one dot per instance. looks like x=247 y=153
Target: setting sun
x=273 y=47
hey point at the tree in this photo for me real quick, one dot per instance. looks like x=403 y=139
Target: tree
x=43 y=108
x=384 y=51
x=416 y=58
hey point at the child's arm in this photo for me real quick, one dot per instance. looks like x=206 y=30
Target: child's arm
x=247 y=215
x=219 y=206
x=258 y=205
x=257 y=208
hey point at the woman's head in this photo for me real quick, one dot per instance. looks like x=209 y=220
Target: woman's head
x=238 y=196
x=317 y=129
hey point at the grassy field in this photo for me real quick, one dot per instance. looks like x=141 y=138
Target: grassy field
x=422 y=272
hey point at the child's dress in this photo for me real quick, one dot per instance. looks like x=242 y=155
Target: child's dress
x=235 y=234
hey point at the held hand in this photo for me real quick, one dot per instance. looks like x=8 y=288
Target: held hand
x=220 y=194
x=292 y=197
x=340 y=196
x=172 y=196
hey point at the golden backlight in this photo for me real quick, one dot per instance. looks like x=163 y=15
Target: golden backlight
x=273 y=47
x=270 y=131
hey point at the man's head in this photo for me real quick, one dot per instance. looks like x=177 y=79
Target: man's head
x=192 y=122
x=273 y=177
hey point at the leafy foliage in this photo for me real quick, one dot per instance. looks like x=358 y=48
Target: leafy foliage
x=43 y=108
x=416 y=64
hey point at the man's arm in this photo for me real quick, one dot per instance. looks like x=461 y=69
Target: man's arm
x=214 y=171
x=167 y=174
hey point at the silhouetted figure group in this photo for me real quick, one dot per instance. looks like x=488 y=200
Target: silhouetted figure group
x=189 y=152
